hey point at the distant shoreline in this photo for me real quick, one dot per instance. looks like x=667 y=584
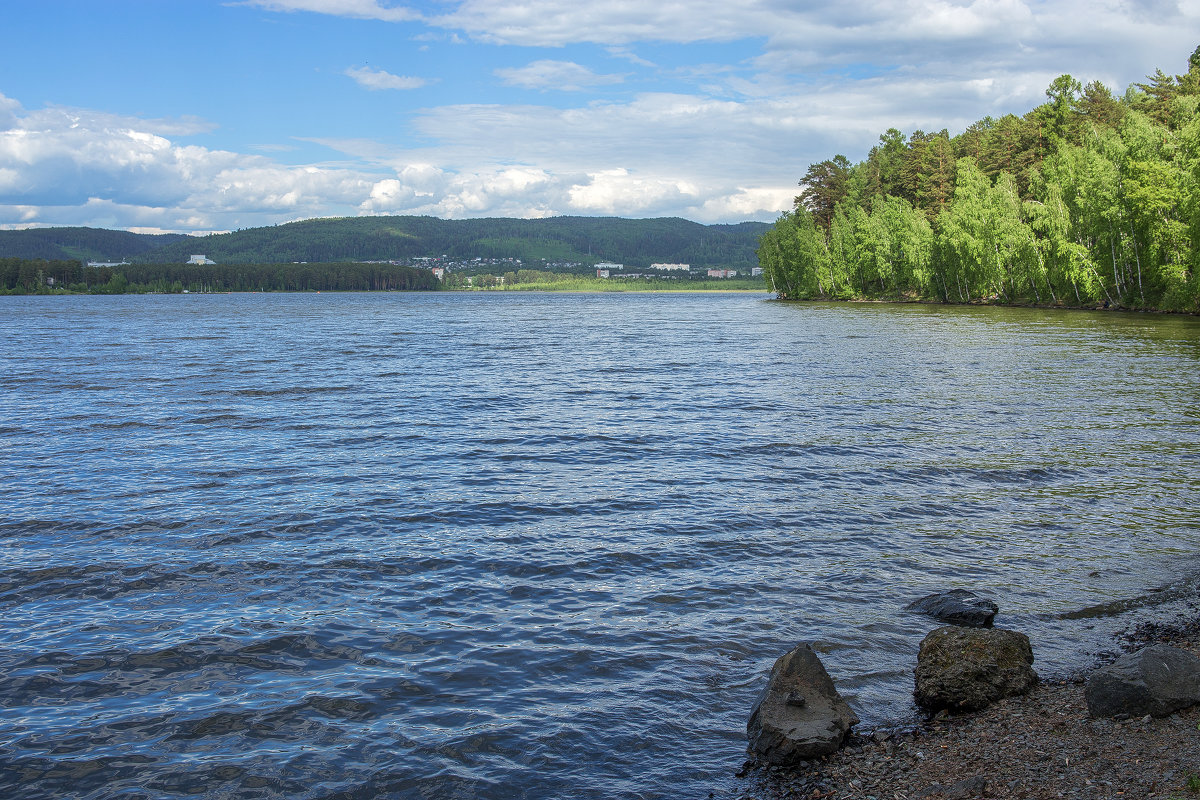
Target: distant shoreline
x=532 y=290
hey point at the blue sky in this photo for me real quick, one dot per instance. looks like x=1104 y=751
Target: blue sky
x=200 y=115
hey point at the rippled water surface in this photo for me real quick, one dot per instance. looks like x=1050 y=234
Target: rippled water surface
x=539 y=546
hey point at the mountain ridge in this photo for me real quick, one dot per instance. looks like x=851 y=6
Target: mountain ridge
x=636 y=242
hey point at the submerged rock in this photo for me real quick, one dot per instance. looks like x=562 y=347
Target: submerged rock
x=1157 y=680
x=966 y=669
x=957 y=607
x=799 y=714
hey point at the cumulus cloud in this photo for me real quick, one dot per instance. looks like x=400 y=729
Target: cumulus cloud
x=554 y=23
x=75 y=166
x=615 y=191
x=565 y=76
x=1106 y=39
x=722 y=145
x=376 y=79
x=358 y=9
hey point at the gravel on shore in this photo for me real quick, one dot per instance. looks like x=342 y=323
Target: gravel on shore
x=1036 y=747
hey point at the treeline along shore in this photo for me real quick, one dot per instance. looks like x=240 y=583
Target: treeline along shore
x=41 y=276
x=1090 y=199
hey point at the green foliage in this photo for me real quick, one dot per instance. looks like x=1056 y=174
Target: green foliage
x=638 y=242
x=32 y=276
x=1087 y=199
x=796 y=261
x=632 y=241
x=81 y=244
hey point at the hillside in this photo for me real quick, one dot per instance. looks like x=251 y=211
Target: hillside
x=634 y=241
x=83 y=244
x=637 y=242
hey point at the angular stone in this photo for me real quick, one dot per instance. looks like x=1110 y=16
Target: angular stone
x=966 y=669
x=957 y=607
x=799 y=714
x=1157 y=680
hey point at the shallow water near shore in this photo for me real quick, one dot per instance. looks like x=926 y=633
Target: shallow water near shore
x=541 y=545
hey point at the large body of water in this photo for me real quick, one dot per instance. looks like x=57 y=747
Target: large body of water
x=540 y=546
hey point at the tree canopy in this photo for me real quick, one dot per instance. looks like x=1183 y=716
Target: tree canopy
x=1088 y=199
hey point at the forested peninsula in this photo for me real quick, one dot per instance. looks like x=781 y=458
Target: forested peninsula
x=1088 y=200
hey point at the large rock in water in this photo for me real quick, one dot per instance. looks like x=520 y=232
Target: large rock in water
x=1156 y=680
x=966 y=669
x=957 y=607
x=799 y=715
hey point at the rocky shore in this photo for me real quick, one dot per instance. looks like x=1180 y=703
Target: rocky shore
x=1036 y=746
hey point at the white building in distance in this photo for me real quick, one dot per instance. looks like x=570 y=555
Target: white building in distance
x=671 y=267
x=200 y=259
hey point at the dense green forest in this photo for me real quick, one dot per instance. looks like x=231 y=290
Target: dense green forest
x=1088 y=200
x=83 y=244
x=633 y=241
x=637 y=242
x=30 y=276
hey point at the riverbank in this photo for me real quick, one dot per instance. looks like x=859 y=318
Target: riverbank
x=1036 y=747
x=925 y=301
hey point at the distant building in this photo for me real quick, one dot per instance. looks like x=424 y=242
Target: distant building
x=672 y=267
x=608 y=265
x=722 y=273
x=439 y=272
x=200 y=259
x=602 y=273
x=107 y=263
x=756 y=271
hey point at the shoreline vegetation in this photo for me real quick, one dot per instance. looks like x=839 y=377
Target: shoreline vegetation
x=67 y=277
x=1037 y=746
x=1088 y=200
x=41 y=276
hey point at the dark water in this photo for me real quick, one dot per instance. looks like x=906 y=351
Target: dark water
x=505 y=546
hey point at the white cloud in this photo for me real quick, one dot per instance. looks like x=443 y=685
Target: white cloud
x=74 y=166
x=358 y=9
x=803 y=82
x=565 y=76
x=554 y=23
x=376 y=79
x=616 y=192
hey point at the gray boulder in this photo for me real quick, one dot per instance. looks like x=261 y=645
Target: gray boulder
x=799 y=714
x=966 y=669
x=1157 y=680
x=957 y=607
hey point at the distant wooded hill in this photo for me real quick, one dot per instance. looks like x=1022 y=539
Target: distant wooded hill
x=82 y=244
x=636 y=242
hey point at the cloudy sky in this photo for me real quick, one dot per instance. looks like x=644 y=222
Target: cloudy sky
x=202 y=115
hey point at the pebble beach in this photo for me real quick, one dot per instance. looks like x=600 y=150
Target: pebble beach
x=1039 y=746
